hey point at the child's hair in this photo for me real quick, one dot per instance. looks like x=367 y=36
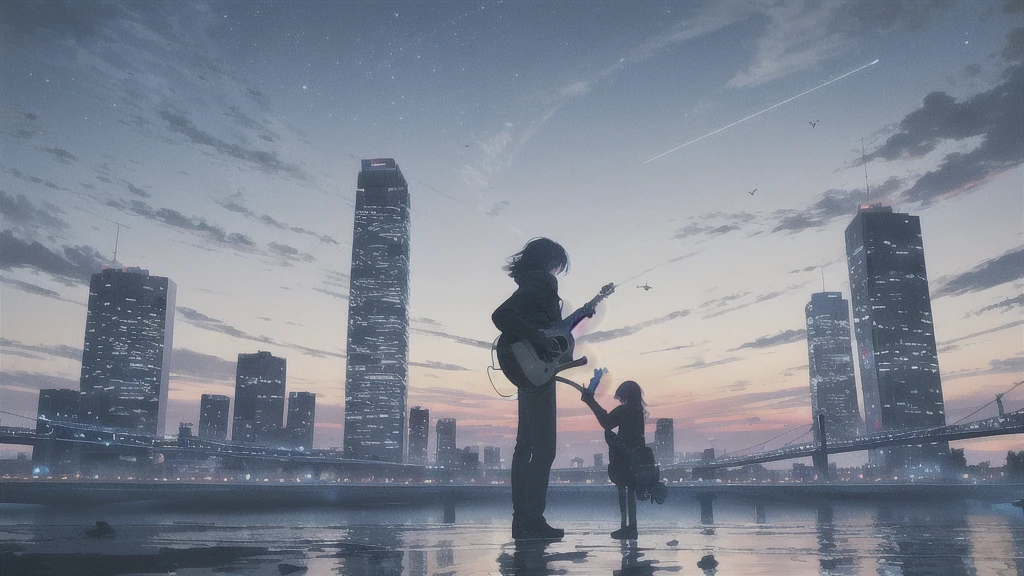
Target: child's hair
x=539 y=254
x=632 y=395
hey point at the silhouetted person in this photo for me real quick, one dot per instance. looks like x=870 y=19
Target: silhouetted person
x=535 y=305
x=628 y=417
x=102 y=530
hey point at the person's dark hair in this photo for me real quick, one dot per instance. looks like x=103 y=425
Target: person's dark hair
x=631 y=395
x=539 y=254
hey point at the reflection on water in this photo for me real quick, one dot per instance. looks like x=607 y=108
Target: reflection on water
x=842 y=539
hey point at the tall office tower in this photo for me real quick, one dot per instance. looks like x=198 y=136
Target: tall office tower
x=598 y=460
x=213 y=417
x=492 y=457
x=259 y=398
x=664 y=441
x=128 y=334
x=57 y=405
x=419 y=432
x=301 y=415
x=892 y=319
x=830 y=363
x=446 y=452
x=378 y=316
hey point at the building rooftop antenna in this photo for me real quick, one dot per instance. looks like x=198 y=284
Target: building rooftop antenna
x=822 y=269
x=117 y=237
x=867 y=187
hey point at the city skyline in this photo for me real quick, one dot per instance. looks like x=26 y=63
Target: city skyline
x=235 y=180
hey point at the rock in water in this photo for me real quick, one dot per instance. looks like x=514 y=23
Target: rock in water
x=102 y=530
x=672 y=543
x=707 y=562
x=290 y=568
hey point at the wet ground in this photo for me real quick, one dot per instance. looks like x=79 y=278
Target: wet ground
x=846 y=539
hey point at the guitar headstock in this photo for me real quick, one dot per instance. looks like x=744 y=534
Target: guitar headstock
x=605 y=291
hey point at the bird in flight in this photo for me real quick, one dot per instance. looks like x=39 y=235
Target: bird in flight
x=813 y=124
x=646 y=287
x=752 y=191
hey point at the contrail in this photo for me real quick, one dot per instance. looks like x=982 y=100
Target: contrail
x=786 y=101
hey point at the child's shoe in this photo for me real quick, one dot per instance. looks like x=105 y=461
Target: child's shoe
x=627 y=533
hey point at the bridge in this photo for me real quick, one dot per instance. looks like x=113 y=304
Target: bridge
x=1012 y=423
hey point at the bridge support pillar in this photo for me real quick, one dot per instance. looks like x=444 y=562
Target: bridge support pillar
x=820 y=458
x=760 y=515
x=824 y=513
x=448 y=502
x=707 y=511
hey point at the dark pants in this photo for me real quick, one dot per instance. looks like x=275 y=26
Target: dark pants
x=534 y=453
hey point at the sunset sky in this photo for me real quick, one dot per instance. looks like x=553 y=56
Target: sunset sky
x=225 y=138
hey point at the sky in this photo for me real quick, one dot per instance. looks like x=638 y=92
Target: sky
x=225 y=138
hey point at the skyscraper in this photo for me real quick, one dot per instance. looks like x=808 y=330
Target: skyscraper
x=830 y=363
x=378 y=316
x=301 y=416
x=57 y=406
x=129 y=330
x=259 y=398
x=419 y=432
x=892 y=319
x=664 y=441
x=213 y=417
x=446 y=452
x=492 y=457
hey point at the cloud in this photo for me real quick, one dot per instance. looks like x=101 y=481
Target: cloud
x=606 y=335
x=1006 y=304
x=833 y=204
x=289 y=252
x=60 y=154
x=679 y=347
x=231 y=205
x=784 y=337
x=176 y=219
x=453 y=338
x=995 y=116
x=427 y=321
x=439 y=366
x=498 y=207
x=34 y=382
x=196 y=365
x=22 y=215
x=333 y=294
x=270 y=162
x=77 y=265
x=700 y=364
x=31 y=288
x=993 y=272
x=54 y=350
x=36 y=180
x=1006 y=326
x=135 y=189
x=204 y=322
x=1014 y=365
x=800 y=36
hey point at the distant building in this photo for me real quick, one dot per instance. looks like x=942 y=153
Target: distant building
x=259 y=399
x=664 y=441
x=469 y=458
x=894 y=327
x=301 y=417
x=213 y=417
x=57 y=405
x=830 y=364
x=378 y=316
x=446 y=452
x=492 y=457
x=576 y=462
x=129 y=328
x=598 y=460
x=419 y=432
x=708 y=455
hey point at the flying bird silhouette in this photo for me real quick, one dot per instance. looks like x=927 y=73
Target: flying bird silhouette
x=646 y=287
x=752 y=191
x=813 y=124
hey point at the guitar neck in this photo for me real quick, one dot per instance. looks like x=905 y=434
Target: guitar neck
x=576 y=317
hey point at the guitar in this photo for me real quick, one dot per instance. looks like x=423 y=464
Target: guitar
x=522 y=362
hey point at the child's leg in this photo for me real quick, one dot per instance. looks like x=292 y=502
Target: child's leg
x=631 y=501
x=622 y=504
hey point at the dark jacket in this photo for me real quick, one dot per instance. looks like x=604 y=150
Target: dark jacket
x=621 y=445
x=534 y=305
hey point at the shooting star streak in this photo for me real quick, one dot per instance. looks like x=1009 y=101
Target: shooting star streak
x=755 y=114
